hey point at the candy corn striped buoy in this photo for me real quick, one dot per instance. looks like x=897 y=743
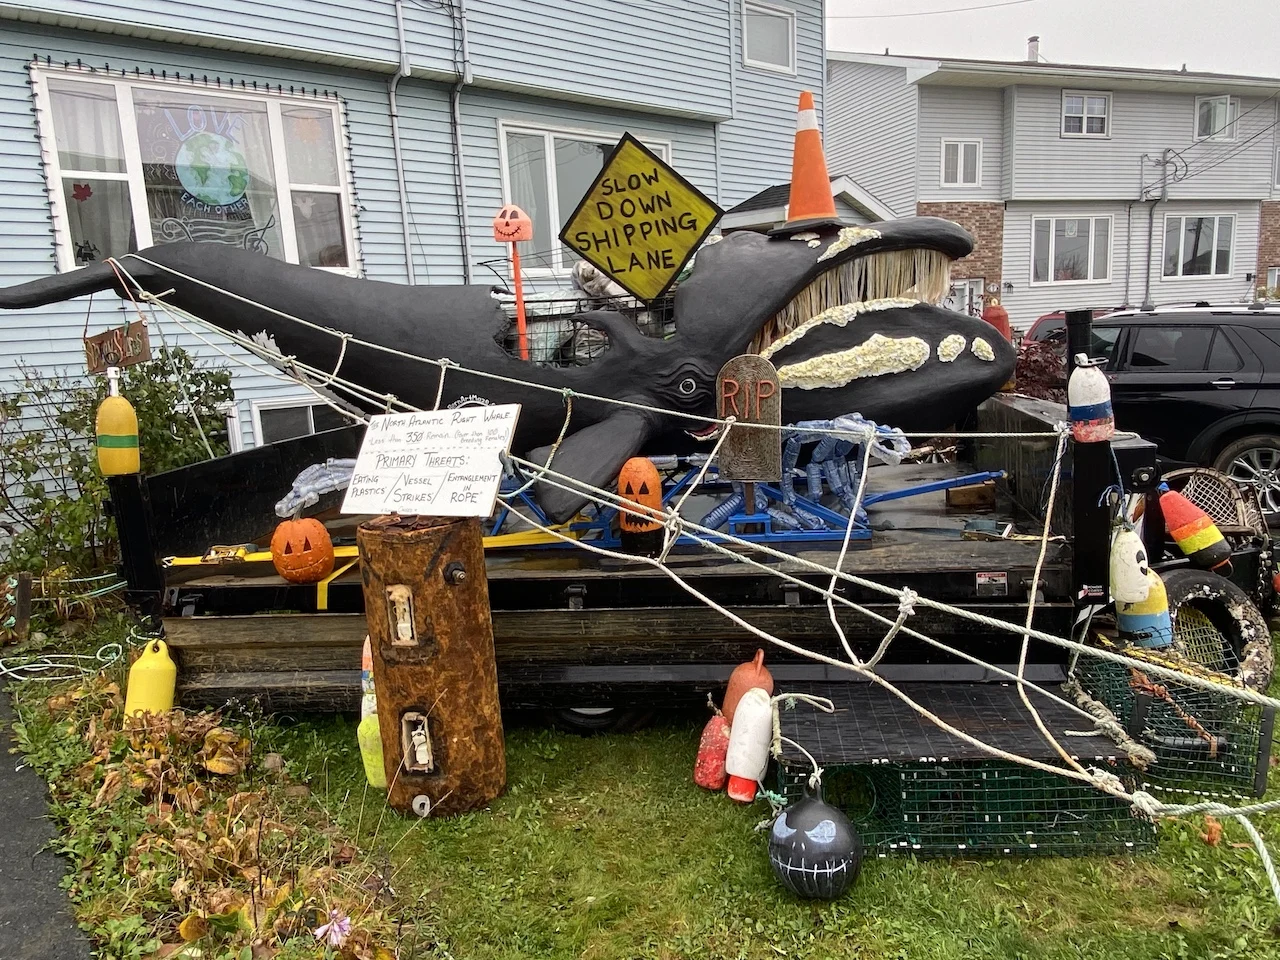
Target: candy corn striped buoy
x=1089 y=402
x=117 y=430
x=1193 y=531
x=1147 y=622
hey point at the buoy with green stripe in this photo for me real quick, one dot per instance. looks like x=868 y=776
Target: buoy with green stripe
x=1194 y=531
x=117 y=429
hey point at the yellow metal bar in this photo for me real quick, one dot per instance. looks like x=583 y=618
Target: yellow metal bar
x=322 y=588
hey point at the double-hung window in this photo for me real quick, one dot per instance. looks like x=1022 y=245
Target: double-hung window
x=1070 y=249
x=1198 y=246
x=1216 y=118
x=768 y=37
x=547 y=173
x=1086 y=113
x=961 y=163
x=133 y=162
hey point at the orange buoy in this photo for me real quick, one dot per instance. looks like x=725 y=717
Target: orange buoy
x=708 y=768
x=1194 y=531
x=753 y=673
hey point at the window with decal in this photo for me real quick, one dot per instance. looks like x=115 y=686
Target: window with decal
x=133 y=163
x=547 y=173
x=1070 y=249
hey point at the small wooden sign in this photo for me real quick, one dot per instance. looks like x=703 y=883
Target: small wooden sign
x=117 y=347
x=747 y=388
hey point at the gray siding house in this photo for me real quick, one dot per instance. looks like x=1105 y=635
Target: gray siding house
x=1084 y=186
x=376 y=138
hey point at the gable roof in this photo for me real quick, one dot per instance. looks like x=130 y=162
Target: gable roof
x=774 y=200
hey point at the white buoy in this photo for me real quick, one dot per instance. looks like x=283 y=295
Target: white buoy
x=1129 y=567
x=749 y=739
x=1089 y=402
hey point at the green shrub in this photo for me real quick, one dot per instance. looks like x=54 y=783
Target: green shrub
x=51 y=491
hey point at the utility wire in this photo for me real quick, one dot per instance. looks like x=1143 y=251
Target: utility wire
x=925 y=13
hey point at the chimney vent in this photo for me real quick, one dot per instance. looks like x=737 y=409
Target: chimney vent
x=1033 y=49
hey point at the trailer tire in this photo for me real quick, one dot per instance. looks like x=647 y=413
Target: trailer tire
x=590 y=720
x=1247 y=649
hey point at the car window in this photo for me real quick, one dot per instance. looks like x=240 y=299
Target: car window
x=1171 y=348
x=1103 y=342
x=1223 y=357
x=1046 y=328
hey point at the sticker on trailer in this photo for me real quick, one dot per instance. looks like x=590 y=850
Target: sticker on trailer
x=993 y=583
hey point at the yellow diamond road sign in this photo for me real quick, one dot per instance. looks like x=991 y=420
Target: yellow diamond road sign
x=641 y=221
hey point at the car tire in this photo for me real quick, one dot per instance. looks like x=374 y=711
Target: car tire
x=1255 y=460
x=1246 y=638
x=589 y=720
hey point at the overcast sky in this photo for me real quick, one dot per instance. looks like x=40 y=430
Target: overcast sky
x=1223 y=36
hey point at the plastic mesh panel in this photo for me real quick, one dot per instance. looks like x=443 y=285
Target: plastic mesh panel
x=974 y=807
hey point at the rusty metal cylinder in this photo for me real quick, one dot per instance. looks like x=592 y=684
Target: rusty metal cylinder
x=426 y=601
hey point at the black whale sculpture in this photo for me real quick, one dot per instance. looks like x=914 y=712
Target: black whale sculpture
x=736 y=288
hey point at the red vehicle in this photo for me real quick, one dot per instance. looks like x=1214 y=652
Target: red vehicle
x=1052 y=325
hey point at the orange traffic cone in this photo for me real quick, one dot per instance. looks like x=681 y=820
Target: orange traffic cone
x=812 y=204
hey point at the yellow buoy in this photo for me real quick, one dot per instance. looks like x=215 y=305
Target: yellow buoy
x=117 y=429
x=152 y=679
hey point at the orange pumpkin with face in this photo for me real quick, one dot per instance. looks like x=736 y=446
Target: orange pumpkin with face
x=638 y=481
x=302 y=551
x=512 y=225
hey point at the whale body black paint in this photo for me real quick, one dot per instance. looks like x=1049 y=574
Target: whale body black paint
x=735 y=287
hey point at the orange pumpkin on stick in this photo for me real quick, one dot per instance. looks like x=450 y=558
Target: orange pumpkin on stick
x=640 y=531
x=301 y=550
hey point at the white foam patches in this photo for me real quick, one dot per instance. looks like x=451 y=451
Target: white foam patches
x=877 y=356
x=849 y=237
x=951 y=347
x=837 y=316
x=982 y=350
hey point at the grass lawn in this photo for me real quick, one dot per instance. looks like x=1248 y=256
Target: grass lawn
x=601 y=848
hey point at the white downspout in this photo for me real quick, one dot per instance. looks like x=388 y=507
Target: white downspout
x=392 y=84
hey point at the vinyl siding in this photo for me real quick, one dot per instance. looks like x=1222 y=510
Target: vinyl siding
x=756 y=145
x=1048 y=166
x=1026 y=302
x=956 y=113
x=1009 y=130
x=870 y=132
x=49 y=338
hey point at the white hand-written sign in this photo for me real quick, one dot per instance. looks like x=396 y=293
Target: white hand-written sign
x=440 y=463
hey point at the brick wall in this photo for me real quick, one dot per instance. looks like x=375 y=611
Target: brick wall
x=1268 y=239
x=986 y=222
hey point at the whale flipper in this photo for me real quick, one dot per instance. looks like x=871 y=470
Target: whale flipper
x=592 y=455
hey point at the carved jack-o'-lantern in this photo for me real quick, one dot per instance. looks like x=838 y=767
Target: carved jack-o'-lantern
x=638 y=481
x=512 y=224
x=302 y=551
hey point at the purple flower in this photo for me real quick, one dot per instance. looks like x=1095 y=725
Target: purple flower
x=336 y=930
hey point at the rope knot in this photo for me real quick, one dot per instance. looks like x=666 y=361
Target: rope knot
x=907 y=602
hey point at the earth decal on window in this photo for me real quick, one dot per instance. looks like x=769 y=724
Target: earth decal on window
x=212 y=170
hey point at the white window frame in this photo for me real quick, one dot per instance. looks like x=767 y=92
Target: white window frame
x=1275 y=176
x=282 y=403
x=558 y=267
x=133 y=173
x=1093 y=236
x=768 y=9
x=1273 y=278
x=1230 y=132
x=1084 y=118
x=942 y=163
x=974 y=288
x=1182 y=233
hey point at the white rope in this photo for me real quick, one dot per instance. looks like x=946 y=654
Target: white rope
x=445 y=364
x=906 y=608
x=672 y=527
x=868 y=436
x=551 y=454
x=59 y=666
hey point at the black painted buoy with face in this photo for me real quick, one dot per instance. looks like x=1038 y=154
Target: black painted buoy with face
x=814 y=850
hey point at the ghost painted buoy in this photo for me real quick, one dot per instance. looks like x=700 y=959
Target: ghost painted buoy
x=814 y=850
x=640 y=525
x=1089 y=402
x=512 y=225
x=1129 y=567
x=1194 y=531
x=1147 y=623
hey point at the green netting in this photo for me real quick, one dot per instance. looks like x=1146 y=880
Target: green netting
x=1205 y=742
x=974 y=807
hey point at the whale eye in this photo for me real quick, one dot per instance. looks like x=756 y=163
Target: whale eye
x=687 y=386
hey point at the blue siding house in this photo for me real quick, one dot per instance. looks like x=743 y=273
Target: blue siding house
x=375 y=138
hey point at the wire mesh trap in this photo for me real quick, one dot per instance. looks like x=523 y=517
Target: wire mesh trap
x=913 y=788
x=558 y=337
x=1205 y=743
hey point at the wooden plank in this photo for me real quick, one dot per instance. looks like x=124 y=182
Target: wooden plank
x=22 y=607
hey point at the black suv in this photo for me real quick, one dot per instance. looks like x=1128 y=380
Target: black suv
x=1201 y=382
